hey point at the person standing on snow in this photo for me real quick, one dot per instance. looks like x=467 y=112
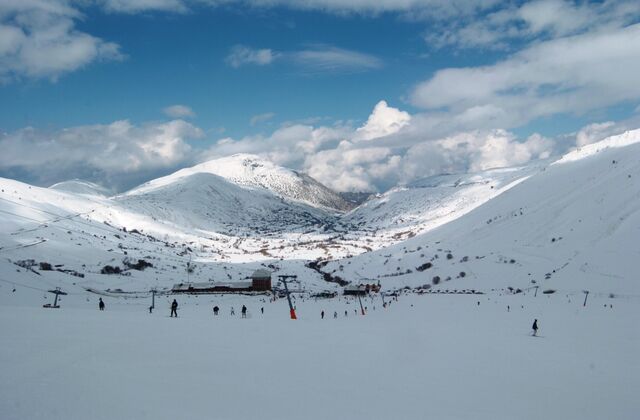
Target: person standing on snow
x=174 y=308
x=535 y=327
x=101 y=304
x=244 y=311
x=215 y=310
x=322 y=315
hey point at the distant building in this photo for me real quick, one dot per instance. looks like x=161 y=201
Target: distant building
x=355 y=290
x=361 y=289
x=260 y=281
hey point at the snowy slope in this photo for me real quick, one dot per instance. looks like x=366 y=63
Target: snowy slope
x=251 y=171
x=210 y=203
x=431 y=202
x=78 y=186
x=571 y=227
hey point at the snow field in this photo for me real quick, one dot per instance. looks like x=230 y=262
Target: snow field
x=434 y=356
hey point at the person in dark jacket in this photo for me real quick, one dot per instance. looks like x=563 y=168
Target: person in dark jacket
x=535 y=327
x=215 y=310
x=174 y=308
x=244 y=311
x=101 y=304
x=322 y=315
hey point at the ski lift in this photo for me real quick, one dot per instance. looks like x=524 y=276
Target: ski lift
x=56 y=292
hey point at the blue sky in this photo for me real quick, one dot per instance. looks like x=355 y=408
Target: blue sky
x=298 y=82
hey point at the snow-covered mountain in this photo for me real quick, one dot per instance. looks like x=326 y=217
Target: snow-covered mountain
x=570 y=226
x=562 y=225
x=79 y=186
x=210 y=203
x=256 y=173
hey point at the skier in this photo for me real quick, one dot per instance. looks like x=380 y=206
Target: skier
x=335 y=314
x=535 y=327
x=322 y=315
x=215 y=310
x=174 y=308
x=262 y=310
x=244 y=311
x=233 y=312
x=101 y=304
x=345 y=313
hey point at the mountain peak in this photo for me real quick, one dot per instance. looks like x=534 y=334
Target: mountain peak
x=252 y=171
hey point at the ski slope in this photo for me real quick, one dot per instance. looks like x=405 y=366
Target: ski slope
x=423 y=357
x=438 y=351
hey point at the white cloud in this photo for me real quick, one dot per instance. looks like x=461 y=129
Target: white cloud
x=415 y=8
x=241 y=55
x=179 y=111
x=314 y=60
x=137 y=6
x=533 y=20
x=574 y=74
x=596 y=132
x=322 y=59
x=260 y=118
x=38 y=39
x=384 y=120
x=115 y=153
x=398 y=149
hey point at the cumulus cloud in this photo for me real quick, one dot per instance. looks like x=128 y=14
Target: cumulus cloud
x=573 y=74
x=179 y=111
x=596 y=132
x=116 y=154
x=38 y=39
x=241 y=55
x=391 y=147
x=384 y=120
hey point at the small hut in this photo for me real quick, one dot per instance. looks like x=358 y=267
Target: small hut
x=261 y=280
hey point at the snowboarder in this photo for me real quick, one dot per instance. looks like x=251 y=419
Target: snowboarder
x=215 y=310
x=101 y=304
x=535 y=327
x=174 y=308
x=322 y=315
x=244 y=311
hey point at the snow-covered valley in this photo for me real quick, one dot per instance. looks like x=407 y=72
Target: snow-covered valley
x=471 y=258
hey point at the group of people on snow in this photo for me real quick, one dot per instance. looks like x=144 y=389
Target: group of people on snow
x=243 y=311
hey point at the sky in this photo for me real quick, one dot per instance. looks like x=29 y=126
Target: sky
x=362 y=95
